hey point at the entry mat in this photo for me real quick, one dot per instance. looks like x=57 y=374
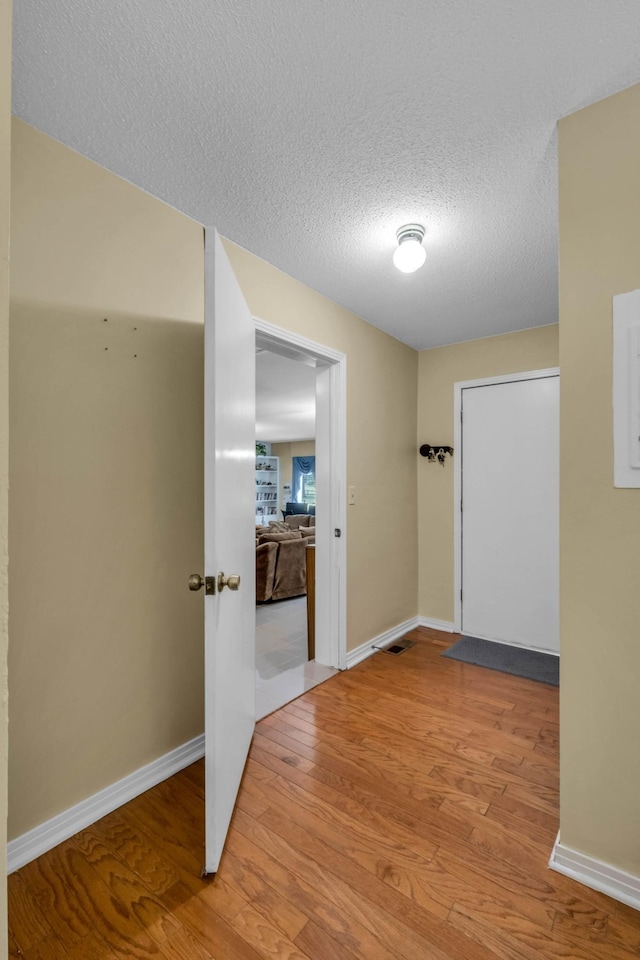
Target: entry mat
x=532 y=664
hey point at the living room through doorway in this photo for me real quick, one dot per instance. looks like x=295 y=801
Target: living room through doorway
x=285 y=528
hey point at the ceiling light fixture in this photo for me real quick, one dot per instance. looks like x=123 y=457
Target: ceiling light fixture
x=409 y=255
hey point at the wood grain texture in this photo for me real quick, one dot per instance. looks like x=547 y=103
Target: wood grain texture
x=405 y=809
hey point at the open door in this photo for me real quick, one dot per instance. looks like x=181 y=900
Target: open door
x=229 y=542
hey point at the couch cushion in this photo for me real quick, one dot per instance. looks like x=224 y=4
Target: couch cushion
x=308 y=532
x=296 y=520
x=266 y=555
x=278 y=526
x=279 y=537
x=290 y=578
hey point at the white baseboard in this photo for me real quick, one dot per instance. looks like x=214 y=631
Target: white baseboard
x=622 y=886
x=446 y=625
x=369 y=647
x=52 y=832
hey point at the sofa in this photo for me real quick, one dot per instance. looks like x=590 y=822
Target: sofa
x=281 y=559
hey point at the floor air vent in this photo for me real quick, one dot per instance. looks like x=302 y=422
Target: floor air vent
x=397 y=648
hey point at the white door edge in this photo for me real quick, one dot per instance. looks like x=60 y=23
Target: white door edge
x=331 y=441
x=457 y=469
x=229 y=616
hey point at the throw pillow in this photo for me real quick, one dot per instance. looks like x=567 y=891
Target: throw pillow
x=295 y=520
x=278 y=537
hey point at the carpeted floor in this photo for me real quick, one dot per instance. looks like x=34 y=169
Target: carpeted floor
x=532 y=664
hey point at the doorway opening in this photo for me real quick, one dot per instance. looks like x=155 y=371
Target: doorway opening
x=299 y=515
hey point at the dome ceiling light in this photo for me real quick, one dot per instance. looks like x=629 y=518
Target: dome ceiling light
x=409 y=255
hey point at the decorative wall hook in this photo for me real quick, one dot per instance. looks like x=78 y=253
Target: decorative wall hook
x=435 y=452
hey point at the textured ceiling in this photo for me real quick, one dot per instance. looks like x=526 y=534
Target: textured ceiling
x=285 y=399
x=309 y=130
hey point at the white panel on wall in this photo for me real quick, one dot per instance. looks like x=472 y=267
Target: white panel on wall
x=626 y=389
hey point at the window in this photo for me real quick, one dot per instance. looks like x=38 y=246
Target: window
x=303 y=486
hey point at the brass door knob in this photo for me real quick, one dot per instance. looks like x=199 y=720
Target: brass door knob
x=232 y=581
x=209 y=584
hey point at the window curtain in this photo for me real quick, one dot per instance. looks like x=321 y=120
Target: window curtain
x=303 y=471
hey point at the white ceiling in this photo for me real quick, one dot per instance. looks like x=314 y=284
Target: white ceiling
x=285 y=399
x=309 y=130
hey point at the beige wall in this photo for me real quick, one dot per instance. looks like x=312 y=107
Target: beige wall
x=5 y=157
x=599 y=525
x=300 y=448
x=381 y=442
x=106 y=472
x=106 y=478
x=439 y=370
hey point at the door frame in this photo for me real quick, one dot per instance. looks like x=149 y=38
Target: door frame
x=458 y=467
x=331 y=471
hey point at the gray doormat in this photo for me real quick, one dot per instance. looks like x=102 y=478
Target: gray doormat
x=532 y=664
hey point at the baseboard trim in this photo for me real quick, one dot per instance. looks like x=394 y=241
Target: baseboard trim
x=369 y=647
x=593 y=873
x=446 y=625
x=49 y=834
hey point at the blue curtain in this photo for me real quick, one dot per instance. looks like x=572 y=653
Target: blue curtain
x=301 y=467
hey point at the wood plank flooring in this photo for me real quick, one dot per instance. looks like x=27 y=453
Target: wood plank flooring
x=405 y=809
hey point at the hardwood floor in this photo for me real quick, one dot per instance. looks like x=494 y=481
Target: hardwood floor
x=405 y=809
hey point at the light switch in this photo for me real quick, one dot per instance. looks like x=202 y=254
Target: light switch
x=352 y=496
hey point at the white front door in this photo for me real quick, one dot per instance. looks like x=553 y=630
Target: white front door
x=509 y=461
x=229 y=541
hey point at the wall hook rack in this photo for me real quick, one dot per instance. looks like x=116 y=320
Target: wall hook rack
x=436 y=451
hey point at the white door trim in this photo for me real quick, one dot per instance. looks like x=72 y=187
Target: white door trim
x=331 y=414
x=457 y=469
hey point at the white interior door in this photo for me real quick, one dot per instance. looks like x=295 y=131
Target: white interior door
x=229 y=541
x=510 y=500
